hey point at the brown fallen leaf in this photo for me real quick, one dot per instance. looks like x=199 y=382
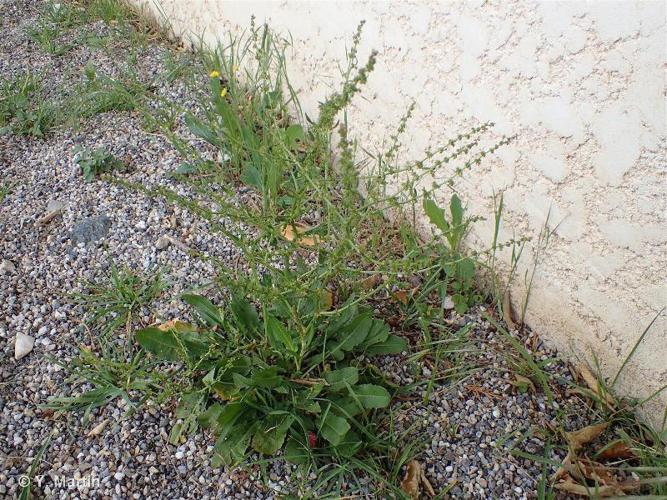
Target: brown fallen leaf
x=577 y=439
x=411 y=481
x=569 y=486
x=593 y=384
x=507 y=311
x=371 y=282
x=564 y=467
x=97 y=430
x=597 y=472
x=615 y=449
x=523 y=383
x=297 y=233
x=414 y=480
x=177 y=326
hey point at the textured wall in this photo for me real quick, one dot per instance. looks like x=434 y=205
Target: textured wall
x=583 y=86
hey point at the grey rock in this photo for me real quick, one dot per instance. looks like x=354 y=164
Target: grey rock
x=91 y=229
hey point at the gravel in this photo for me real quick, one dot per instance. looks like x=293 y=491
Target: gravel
x=100 y=224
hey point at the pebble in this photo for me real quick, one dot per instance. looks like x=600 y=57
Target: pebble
x=7 y=267
x=23 y=345
x=162 y=242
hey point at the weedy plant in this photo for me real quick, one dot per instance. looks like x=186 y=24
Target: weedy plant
x=286 y=363
x=94 y=162
x=54 y=21
x=290 y=376
x=24 y=110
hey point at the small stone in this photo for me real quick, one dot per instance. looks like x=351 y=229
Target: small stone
x=141 y=225
x=55 y=206
x=449 y=303
x=118 y=476
x=91 y=229
x=23 y=345
x=162 y=242
x=7 y=267
x=179 y=455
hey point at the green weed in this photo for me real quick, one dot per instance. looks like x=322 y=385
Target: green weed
x=54 y=21
x=24 y=110
x=95 y=162
x=114 y=305
x=287 y=362
x=100 y=93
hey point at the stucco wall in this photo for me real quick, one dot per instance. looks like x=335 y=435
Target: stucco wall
x=581 y=84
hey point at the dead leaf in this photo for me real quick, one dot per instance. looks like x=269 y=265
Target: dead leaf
x=578 y=439
x=570 y=486
x=565 y=466
x=597 y=472
x=522 y=382
x=593 y=384
x=507 y=311
x=410 y=483
x=371 y=282
x=401 y=296
x=296 y=233
x=97 y=430
x=177 y=326
x=615 y=449
x=415 y=479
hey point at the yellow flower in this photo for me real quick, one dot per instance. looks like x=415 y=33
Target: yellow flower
x=214 y=74
x=223 y=92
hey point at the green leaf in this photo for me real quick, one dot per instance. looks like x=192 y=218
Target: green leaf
x=279 y=337
x=245 y=314
x=460 y=303
x=456 y=209
x=339 y=379
x=228 y=417
x=175 y=434
x=293 y=133
x=333 y=428
x=162 y=344
x=436 y=215
x=349 y=445
x=378 y=333
x=205 y=308
x=393 y=345
x=210 y=417
x=231 y=447
x=267 y=377
x=296 y=452
x=352 y=334
x=346 y=406
x=270 y=434
x=199 y=129
x=252 y=176
x=372 y=396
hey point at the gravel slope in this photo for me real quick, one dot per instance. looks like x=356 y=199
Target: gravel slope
x=131 y=458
